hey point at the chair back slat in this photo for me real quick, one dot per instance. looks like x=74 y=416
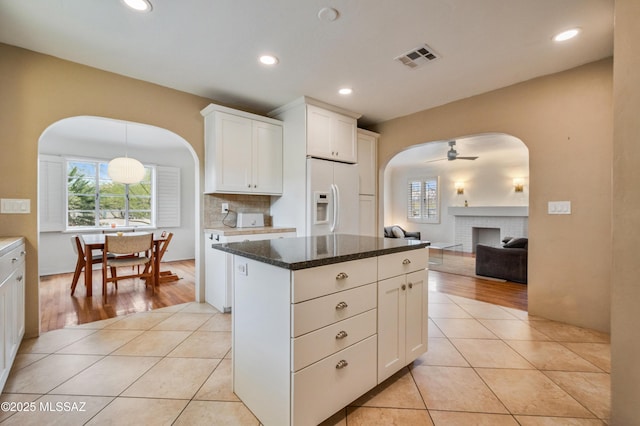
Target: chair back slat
x=127 y=244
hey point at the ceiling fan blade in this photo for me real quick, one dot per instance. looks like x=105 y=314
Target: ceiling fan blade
x=437 y=159
x=466 y=158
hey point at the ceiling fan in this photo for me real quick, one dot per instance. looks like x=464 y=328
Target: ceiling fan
x=452 y=154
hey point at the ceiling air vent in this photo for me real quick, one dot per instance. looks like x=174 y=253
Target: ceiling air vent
x=418 y=56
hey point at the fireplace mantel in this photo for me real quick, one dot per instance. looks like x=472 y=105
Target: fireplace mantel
x=491 y=211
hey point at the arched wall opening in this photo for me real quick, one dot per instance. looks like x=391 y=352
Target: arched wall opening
x=486 y=181
x=100 y=138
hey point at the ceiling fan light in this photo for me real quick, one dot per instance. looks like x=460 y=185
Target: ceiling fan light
x=125 y=170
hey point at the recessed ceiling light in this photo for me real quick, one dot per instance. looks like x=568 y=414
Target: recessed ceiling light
x=345 y=91
x=268 y=59
x=566 y=35
x=139 y=5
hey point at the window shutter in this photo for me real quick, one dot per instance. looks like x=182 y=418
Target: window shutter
x=414 y=198
x=168 y=196
x=51 y=199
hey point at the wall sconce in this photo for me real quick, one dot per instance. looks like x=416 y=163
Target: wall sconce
x=459 y=188
x=518 y=185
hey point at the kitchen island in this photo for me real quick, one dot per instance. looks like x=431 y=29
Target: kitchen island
x=319 y=321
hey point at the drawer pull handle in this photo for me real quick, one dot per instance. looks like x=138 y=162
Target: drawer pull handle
x=14 y=260
x=341 y=364
x=340 y=306
x=22 y=253
x=341 y=335
x=406 y=262
x=403 y=287
x=342 y=276
x=410 y=285
x=19 y=278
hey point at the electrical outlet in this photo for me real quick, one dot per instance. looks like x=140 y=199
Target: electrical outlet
x=225 y=207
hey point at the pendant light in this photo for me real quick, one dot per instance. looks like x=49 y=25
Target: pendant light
x=124 y=169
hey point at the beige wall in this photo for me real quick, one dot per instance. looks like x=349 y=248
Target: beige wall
x=625 y=307
x=566 y=122
x=38 y=90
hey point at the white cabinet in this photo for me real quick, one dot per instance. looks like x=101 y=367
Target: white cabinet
x=331 y=135
x=367 y=172
x=12 y=278
x=218 y=266
x=243 y=152
x=402 y=310
x=327 y=334
x=367 y=161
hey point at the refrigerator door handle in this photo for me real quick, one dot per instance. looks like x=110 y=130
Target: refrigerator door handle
x=336 y=204
x=334 y=195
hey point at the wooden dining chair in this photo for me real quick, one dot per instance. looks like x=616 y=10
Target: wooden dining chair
x=81 y=262
x=118 y=245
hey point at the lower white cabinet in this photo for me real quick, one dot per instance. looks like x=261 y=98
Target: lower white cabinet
x=219 y=266
x=308 y=342
x=402 y=321
x=12 y=278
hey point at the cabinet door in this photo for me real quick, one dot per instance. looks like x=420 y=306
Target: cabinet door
x=391 y=326
x=5 y=330
x=319 y=132
x=416 y=315
x=368 y=209
x=367 y=163
x=343 y=138
x=267 y=158
x=233 y=141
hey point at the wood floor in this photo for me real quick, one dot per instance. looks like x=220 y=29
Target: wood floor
x=59 y=309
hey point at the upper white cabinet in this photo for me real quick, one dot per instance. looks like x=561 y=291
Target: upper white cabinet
x=243 y=152
x=331 y=135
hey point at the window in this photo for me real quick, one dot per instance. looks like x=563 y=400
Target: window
x=94 y=200
x=423 y=200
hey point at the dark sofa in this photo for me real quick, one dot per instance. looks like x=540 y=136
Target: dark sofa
x=508 y=262
x=389 y=232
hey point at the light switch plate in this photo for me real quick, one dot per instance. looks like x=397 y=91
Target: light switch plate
x=559 y=207
x=15 y=206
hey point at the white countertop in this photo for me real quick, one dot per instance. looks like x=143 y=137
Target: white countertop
x=9 y=243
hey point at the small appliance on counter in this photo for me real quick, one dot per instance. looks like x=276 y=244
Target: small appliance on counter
x=250 y=220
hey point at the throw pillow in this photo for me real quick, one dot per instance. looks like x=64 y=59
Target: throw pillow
x=517 y=243
x=397 y=232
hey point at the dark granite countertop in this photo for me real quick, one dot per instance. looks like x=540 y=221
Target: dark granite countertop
x=308 y=252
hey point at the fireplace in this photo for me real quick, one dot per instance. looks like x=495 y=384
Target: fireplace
x=485 y=236
x=488 y=224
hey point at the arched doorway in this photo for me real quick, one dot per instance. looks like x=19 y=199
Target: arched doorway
x=476 y=200
x=100 y=139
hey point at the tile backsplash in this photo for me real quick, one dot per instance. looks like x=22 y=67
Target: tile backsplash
x=213 y=215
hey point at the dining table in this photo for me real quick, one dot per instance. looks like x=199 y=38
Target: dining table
x=96 y=242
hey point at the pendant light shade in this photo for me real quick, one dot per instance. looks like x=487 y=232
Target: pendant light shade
x=125 y=170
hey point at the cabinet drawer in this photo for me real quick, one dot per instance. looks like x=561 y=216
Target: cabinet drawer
x=316 y=345
x=317 y=313
x=392 y=265
x=11 y=260
x=315 y=282
x=322 y=389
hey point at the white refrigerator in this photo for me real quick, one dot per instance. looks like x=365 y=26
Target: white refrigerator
x=332 y=197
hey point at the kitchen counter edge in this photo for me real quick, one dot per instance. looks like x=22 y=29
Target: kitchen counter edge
x=235 y=248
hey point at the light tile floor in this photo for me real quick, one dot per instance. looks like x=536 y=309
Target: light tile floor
x=486 y=365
